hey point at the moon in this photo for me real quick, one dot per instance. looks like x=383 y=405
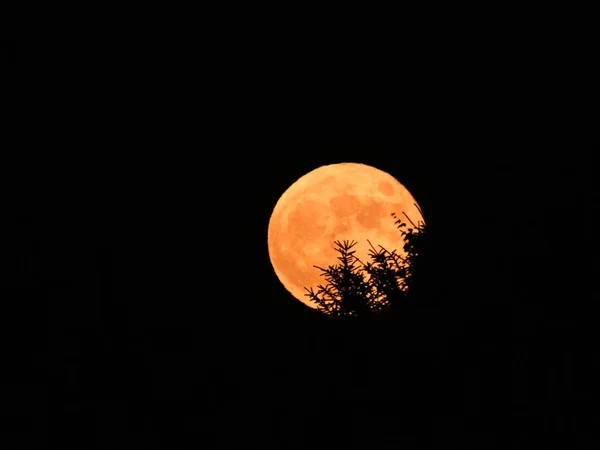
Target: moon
x=345 y=201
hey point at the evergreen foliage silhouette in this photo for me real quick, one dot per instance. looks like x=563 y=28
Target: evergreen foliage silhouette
x=416 y=245
x=354 y=288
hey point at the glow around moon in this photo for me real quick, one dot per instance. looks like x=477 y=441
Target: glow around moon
x=346 y=201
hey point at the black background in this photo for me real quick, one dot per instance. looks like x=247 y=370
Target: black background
x=139 y=292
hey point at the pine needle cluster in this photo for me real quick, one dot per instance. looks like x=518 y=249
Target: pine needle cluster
x=354 y=288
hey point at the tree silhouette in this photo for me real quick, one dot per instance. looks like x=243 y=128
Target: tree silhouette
x=416 y=254
x=357 y=289
x=346 y=292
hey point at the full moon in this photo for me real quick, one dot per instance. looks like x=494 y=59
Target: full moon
x=345 y=201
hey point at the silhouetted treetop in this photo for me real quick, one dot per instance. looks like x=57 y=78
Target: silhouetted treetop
x=354 y=288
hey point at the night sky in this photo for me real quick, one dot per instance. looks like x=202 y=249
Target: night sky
x=145 y=309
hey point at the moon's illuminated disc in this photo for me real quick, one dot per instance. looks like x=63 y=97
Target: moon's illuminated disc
x=346 y=201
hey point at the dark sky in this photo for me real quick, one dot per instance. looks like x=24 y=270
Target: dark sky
x=145 y=305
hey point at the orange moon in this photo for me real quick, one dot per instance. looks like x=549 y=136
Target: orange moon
x=345 y=201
